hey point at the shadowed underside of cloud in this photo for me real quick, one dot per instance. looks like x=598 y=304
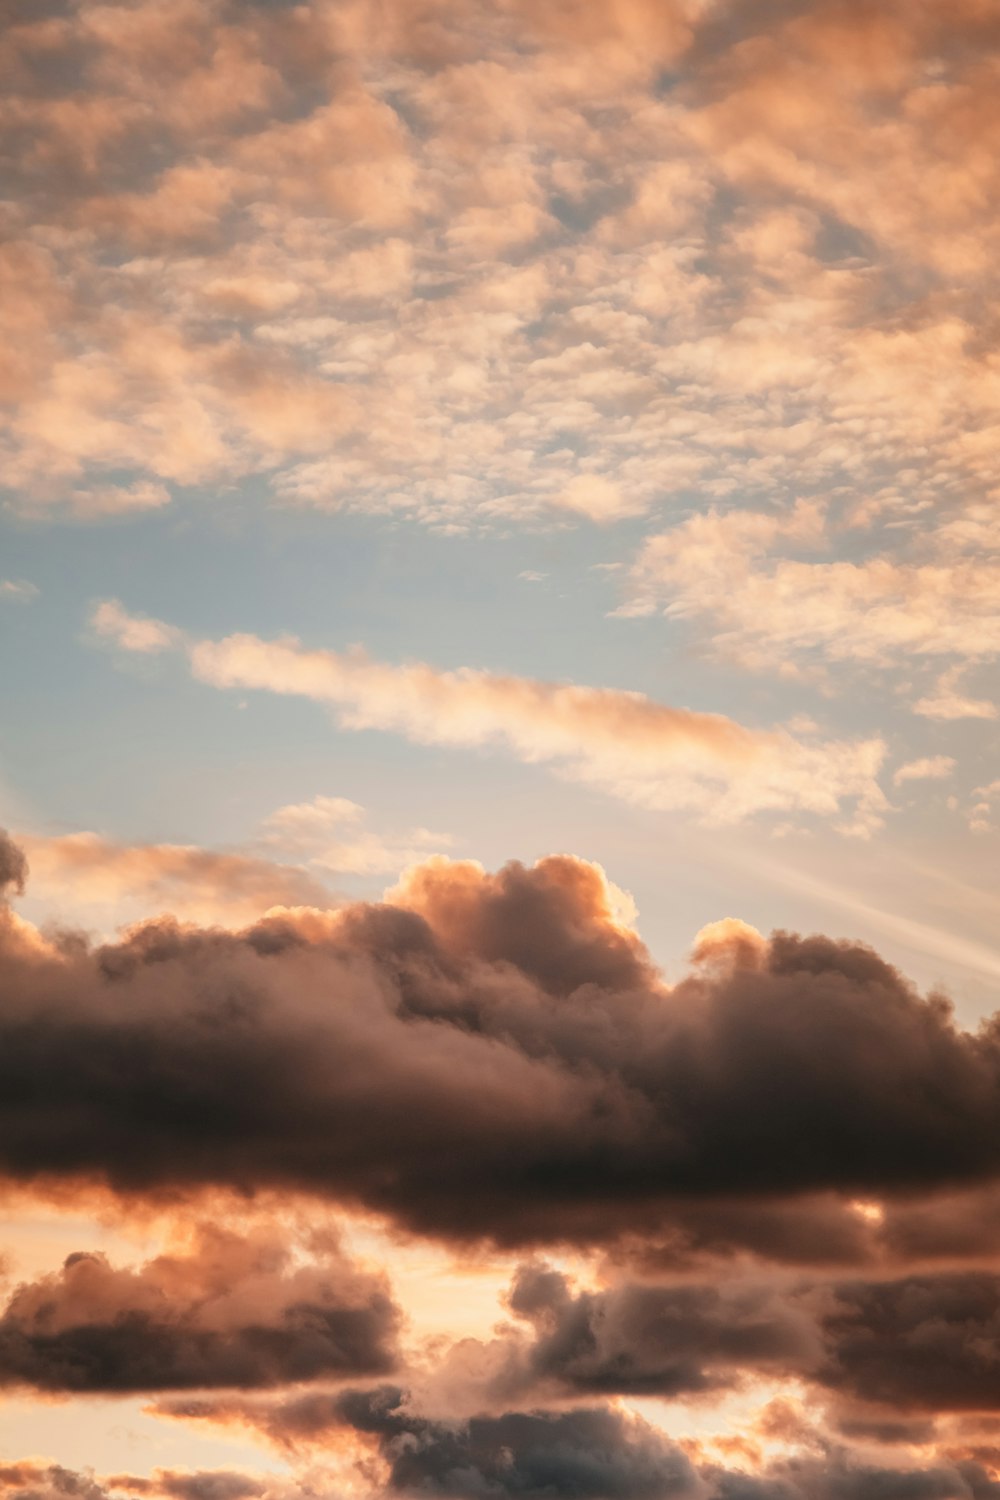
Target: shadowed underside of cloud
x=486 y=1055
x=595 y=1453
x=232 y=1311
x=911 y=1348
x=35 y=1480
x=624 y=743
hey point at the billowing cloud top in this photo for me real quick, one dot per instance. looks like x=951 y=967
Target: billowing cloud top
x=487 y=1055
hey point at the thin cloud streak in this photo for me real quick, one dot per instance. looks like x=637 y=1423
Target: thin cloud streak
x=621 y=742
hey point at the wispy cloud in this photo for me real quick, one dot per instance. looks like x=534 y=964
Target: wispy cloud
x=18 y=590
x=625 y=743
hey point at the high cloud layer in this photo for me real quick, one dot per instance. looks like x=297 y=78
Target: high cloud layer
x=465 y=260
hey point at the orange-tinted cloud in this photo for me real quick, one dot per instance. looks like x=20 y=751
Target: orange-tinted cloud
x=466 y=261
x=623 y=742
x=232 y=1310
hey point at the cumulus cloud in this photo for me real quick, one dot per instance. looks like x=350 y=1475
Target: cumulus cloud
x=635 y=1339
x=595 y=1452
x=132 y=632
x=623 y=742
x=910 y=1348
x=34 y=1479
x=487 y=1056
x=232 y=1310
x=946 y=701
x=285 y=863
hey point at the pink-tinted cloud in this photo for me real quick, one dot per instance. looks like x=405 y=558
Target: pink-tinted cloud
x=472 y=262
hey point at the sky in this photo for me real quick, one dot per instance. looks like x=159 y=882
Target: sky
x=499 y=621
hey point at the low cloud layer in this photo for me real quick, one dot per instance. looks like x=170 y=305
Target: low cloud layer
x=487 y=1055
x=595 y=1452
x=231 y=1311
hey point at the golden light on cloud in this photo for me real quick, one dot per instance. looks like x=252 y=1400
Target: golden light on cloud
x=472 y=473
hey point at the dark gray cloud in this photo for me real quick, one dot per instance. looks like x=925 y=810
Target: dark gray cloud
x=654 y=1340
x=494 y=1058
x=895 y=1351
x=13 y=866
x=235 y=1312
x=590 y=1453
x=925 y=1342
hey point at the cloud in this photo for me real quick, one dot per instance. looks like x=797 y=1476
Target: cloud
x=13 y=866
x=946 y=702
x=726 y=569
x=589 y=1453
x=597 y=498
x=593 y=1452
x=102 y=881
x=447 y=260
x=232 y=1310
x=329 y=833
x=18 y=590
x=34 y=1479
x=597 y=1453
x=930 y=767
x=90 y=873
x=625 y=743
x=130 y=632
x=982 y=809
x=486 y=1056
x=640 y=1340
x=923 y=1343
x=117 y=500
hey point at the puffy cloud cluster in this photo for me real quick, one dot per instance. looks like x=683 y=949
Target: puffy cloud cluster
x=231 y=1311
x=599 y=1453
x=731 y=573
x=486 y=1055
x=785 y=1171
